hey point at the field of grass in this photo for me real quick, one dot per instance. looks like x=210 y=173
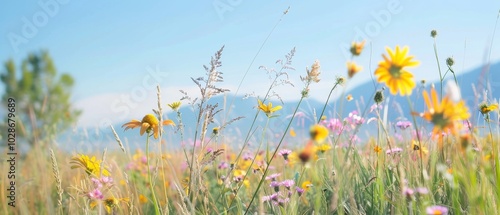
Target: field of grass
x=404 y=168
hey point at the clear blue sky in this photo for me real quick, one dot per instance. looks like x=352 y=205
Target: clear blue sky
x=109 y=46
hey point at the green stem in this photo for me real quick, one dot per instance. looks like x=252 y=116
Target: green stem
x=151 y=185
x=274 y=153
x=326 y=103
x=421 y=163
x=441 y=77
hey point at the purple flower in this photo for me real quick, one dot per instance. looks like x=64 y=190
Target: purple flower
x=299 y=190
x=273 y=176
x=393 y=151
x=285 y=153
x=96 y=182
x=422 y=190
x=223 y=165
x=288 y=183
x=272 y=197
x=408 y=192
x=95 y=194
x=403 y=124
x=436 y=210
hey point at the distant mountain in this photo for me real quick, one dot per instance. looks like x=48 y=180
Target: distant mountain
x=363 y=98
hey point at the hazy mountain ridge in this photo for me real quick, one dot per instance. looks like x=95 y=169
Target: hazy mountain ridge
x=247 y=108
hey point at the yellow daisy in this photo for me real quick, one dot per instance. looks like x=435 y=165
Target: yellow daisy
x=268 y=109
x=356 y=48
x=92 y=166
x=392 y=72
x=353 y=68
x=444 y=114
x=318 y=133
x=148 y=124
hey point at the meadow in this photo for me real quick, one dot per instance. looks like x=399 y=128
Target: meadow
x=435 y=161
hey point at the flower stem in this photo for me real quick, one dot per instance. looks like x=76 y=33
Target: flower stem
x=326 y=103
x=274 y=153
x=151 y=185
x=441 y=77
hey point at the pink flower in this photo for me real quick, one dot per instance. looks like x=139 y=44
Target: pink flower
x=95 y=194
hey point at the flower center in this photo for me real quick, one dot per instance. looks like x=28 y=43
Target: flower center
x=439 y=120
x=395 y=71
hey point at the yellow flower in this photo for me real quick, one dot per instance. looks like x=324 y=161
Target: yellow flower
x=356 y=48
x=112 y=202
x=377 y=149
x=92 y=166
x=292 y=132
x=143 y=199
x=318 y=133
x=445 y=114
x=392 y=71
x=484 y=108
x=323 y=147
x=308 y=152
x=306 y=185
x=352 y=69
x=268 y=109
x=148 y=124
x=349 y=98
x=175 y=105
x=416 y=147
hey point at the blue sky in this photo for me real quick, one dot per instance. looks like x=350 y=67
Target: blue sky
x=117 y=51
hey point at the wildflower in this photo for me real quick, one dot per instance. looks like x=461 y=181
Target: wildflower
x=318 y=133
x=356 y=48
x=393 y=151
x=434 y=33
x=299 y=190
x=485 y=108
x=268 y=109
x=392 y=71
x=422 y=190
x=323 y=147
x=349 y=98
x=112 y=202
x=354 y=119
x=223 y=165
x=292 y=132
x=403 y=124
x=175 y=105
x=143 y=199
x=273 y=176
x=352 y=69
x=416 y=147
x=450 y=61
x=215 y=130
x=408 y=192
x=323 y=118
x=275 y=185
x=95 y=194
x=377 y=149
x=339 y=80
x=308 y=151
x=444 y=114
x=288 y=183
x=436 y=210
x=148 y=124
x=285 y=153
x=306 y=185
x=272 y=197
x=92 y=166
